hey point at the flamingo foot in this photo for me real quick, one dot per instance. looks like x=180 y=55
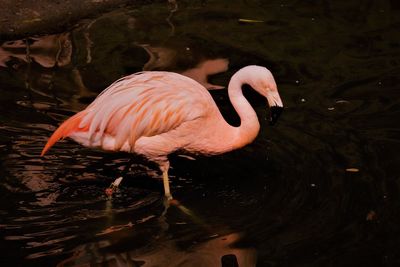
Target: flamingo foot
x=113 y=187
x=174 y=202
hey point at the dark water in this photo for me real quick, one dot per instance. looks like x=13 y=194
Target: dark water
x=321 y=188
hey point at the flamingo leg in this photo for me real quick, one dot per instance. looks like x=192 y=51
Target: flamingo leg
x=164 y=167
x=166 y=185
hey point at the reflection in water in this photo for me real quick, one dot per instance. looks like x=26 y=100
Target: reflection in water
x=48 y=51
x=288 y=194
x=217 y=251
x=55 y=51
x=163 y=58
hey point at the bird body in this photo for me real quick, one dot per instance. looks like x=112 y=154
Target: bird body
x=156 y=113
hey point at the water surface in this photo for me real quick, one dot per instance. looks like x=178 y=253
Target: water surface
x=321 y=188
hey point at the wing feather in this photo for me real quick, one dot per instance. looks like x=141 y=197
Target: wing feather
x=145 y=104
x=142 y=104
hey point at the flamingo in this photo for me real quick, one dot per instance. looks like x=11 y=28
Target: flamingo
x=155 y=113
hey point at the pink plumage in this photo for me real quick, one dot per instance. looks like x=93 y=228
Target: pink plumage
x=156 y=113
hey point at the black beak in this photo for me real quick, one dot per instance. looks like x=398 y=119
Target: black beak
x=275 y=113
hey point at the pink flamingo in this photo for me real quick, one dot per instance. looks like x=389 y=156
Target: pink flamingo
x=156 y=113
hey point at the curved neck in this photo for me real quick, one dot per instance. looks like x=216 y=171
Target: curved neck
x=249 y=124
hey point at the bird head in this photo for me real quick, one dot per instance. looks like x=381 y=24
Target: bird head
x=261 y=79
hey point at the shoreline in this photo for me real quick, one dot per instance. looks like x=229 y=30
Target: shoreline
x=23 y=18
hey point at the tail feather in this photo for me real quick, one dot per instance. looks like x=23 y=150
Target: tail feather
x=65 y=129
